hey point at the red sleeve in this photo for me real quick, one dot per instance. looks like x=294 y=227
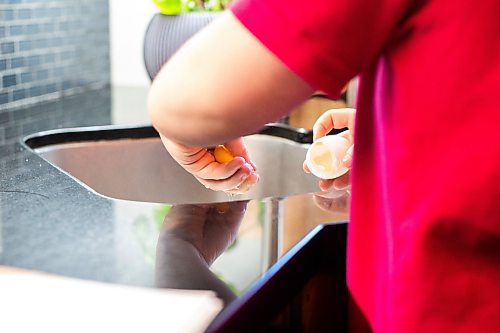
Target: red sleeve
x=325 y=42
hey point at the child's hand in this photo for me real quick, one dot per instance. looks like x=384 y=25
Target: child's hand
x=336 y=119
x=235 y=176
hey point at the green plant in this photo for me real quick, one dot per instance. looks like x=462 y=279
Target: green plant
x=172 y=7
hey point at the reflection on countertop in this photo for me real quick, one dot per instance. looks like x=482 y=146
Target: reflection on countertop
x=161 y=245
x=192 y=237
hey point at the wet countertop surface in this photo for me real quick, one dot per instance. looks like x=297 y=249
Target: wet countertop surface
x=50 y=222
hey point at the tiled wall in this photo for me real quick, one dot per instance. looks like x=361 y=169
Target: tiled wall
x=51 y=48
x=89 y=108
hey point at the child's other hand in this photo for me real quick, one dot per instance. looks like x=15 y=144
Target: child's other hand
x=336 y=119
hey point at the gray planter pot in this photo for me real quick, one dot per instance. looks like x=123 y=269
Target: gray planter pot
x=166 y=33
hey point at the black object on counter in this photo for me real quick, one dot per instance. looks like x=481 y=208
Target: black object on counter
x=321 y=252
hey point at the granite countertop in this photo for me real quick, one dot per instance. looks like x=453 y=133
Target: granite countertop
x=50 y=222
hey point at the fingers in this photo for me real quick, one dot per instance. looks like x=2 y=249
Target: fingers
x=334 y=119
x=340 y=183
x=245 y=185
x=238 y=148
x=305 y=167
x=239 y=182
x=244 y=178
x=201 y=163
x=215 y=170
x=343 y=182
x=347 y=160
x=237 y=175
x=325 y=184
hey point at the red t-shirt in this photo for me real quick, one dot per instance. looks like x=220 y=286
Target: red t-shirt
x=424 y=232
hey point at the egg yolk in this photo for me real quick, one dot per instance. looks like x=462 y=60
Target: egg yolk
x=222 y=154
x=322 y=157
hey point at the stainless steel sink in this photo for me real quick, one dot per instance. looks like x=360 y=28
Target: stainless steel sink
x=132 y=164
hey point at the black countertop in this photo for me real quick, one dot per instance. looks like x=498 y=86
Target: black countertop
x=50 y=222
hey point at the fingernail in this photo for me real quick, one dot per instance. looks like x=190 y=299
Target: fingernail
x=248 y=165
x=244 y=177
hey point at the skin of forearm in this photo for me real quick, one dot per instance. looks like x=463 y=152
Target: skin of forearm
x=222 y=84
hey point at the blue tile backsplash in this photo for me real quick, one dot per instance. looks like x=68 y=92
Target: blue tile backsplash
x=89 y=108
x=51 y=49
